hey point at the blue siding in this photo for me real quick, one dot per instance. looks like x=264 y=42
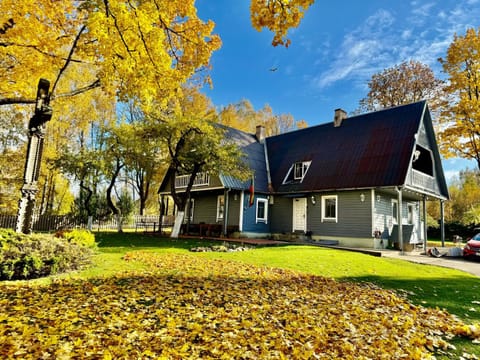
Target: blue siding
x=249 y=216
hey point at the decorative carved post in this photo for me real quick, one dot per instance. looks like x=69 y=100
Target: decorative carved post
x=36 y=134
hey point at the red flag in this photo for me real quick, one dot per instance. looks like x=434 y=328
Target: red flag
x=251 y=190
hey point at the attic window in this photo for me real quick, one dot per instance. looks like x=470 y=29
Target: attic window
x=297 y=172
x=422 y=160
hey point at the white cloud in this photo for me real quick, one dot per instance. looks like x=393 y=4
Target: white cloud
x=423 y=34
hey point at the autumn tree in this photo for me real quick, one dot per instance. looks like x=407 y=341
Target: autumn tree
x=459 y=131
x=243 y=116
x=404 y=83
x=278 y=16
x=195 y=144
x=119 y=50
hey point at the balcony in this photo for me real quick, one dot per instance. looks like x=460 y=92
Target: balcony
x=423 y=181
x=202 y=179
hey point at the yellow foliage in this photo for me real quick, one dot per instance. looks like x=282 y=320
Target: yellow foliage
x=460 y=125
x=278 y=16
x=187 y=307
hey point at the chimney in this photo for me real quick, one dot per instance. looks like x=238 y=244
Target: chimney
x=340 y=115
x=260 y=133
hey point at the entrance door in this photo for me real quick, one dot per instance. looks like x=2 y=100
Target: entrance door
x=300 y=214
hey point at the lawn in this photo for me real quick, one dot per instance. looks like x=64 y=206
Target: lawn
x=154 y=292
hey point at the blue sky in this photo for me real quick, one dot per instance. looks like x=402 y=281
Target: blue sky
x=334 y=52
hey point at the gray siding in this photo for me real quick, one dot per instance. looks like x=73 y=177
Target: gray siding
x=281 y=215
x=384 y=218
x=233 y=208
x=205 y=208
x=353 y=215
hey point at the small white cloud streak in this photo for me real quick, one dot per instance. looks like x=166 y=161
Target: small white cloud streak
x=382 y=42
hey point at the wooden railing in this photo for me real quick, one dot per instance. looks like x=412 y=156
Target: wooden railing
x=202 y=179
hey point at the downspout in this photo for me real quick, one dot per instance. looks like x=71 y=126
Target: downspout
x=425 y=224
x=372 y=211
x=442 y=222
x=267 y=164
x=240 y=220
x=225 y=214
x=399 y=220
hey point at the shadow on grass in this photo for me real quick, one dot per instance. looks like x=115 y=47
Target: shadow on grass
x=458 y=295
x=147 y=240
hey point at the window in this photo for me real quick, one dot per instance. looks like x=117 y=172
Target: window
x=411 y=213
x=297 y=172
x=394 y=211
x=220 y=207
x=262 y=210
x=329 y=208
x=191 y=207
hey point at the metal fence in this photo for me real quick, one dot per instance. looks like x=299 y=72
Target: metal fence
x=61 y=222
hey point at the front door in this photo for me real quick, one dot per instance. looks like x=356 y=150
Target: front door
x=300 y=214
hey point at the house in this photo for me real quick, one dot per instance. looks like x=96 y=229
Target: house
x=343 y=181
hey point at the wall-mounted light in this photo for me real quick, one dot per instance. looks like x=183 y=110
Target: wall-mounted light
x=313 y=199
x=235 y=197
x=378 y=198
x=362 y=197
x=271 y=200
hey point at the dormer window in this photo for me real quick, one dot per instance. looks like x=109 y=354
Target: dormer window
x=297 y=172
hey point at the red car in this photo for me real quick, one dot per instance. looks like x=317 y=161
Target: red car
x=472 y=248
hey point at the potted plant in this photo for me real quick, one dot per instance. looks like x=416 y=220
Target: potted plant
x=378 y=240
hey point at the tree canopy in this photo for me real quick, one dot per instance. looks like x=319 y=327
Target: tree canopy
x=460 y=121
x=407 y=82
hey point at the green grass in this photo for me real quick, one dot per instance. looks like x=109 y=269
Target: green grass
x=424 y=285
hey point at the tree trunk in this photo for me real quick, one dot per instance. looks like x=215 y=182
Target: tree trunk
x=110 y=203
x=90 y=223
x=178 y=224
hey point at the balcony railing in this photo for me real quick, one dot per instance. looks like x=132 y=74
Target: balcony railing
x=423 y=181
x=202 y=179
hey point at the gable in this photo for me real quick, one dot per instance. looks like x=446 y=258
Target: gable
x=426 y=172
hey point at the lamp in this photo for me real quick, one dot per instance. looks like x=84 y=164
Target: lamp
x=362 y=197
x=378 y=198
x=313 y=199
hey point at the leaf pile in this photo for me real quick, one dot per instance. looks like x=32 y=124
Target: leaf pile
x=187 y=307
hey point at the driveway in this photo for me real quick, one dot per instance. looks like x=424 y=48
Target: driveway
x=469 y=266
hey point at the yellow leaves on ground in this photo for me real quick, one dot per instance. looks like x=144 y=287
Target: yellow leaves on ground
x=187 y=307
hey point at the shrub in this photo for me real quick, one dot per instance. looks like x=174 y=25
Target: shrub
x=79 y=237
x=33 y=256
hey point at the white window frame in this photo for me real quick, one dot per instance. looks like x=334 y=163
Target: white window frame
x=220 y=207
x=191 y=208
x=411 y=213
x=324 y=203
x=291 y=174
x=265 y=215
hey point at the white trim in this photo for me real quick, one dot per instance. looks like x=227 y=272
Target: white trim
x=240 y=217
x=219 y=197
x=265 y=219
x=304 y=211
x=305 y=165
x=191 y=208
x=329 y=219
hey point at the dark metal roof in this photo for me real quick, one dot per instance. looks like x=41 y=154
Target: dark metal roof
x=368 y=150
x=254 y=157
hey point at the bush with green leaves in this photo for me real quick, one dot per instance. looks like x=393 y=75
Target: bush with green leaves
x=38 y=255
x=79 y=237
